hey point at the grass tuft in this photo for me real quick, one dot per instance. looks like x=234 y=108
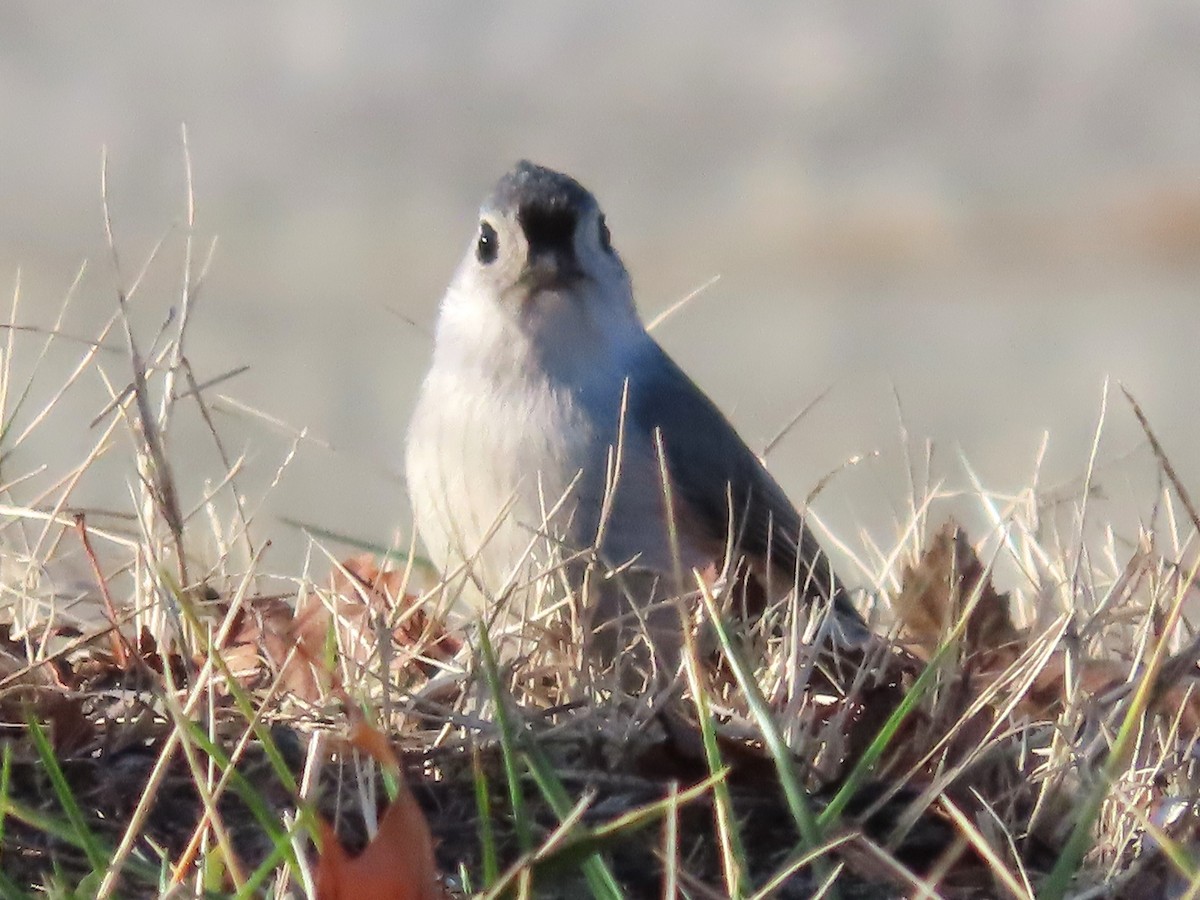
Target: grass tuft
x=178 y=719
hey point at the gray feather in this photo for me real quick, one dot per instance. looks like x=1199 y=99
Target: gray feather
x=711 y=468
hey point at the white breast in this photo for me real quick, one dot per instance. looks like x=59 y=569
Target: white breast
x=500 y=438
x=488 y=458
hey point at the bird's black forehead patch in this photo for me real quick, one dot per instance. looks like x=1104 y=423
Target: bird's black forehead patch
x=547 y=205
x=528 y=185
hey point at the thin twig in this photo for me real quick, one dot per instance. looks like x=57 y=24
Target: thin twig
x=121 y=649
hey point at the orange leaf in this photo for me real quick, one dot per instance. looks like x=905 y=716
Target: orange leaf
x=269 y=637
x=384 y=590
x=369 y=740
x=398 y=864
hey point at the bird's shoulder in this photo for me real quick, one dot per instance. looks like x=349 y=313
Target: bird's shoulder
x=707 y=459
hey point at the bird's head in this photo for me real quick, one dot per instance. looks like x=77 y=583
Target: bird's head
x=541 y=264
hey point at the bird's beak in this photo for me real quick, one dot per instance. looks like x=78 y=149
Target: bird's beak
x=551 y=270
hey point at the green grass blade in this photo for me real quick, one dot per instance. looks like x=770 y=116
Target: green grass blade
x=487 y=836
x=508 y=741
x=1072 y=853
x=887 y=733
x=66 y=833
x=883 y=738
x=282 y=851
x=240 y=785
x=789 y=869
x=386 y=554
x=807 y=827
x=86 y=840
x=512 y=743
x=733 y=853
x=8 y=887
x=1059 y=880
x=600 y=879
x=598 y=838
x=5 y=783
x=253 y=716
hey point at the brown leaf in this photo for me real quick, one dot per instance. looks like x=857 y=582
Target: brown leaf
x=935 y=593
x=16 y=667
x=398 y=864
x=70 y=730
x=269 y=637
x=384 y=589
x=258 y=645
x=363 y=596
x=1177 y=697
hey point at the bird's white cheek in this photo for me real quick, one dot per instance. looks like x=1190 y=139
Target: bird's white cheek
x=475 y=332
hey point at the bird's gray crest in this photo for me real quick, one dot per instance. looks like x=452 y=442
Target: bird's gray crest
x=547 y=204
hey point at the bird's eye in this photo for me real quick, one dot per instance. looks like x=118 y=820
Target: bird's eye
x=488 y=244
x=605 y=236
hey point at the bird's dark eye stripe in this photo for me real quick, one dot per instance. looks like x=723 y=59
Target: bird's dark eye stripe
x=605 y=236
x=488 y=244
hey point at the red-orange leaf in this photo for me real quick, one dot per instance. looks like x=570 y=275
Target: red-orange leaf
x=398 y=864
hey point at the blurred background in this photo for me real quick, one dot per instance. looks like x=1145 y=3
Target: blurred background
x=983 y=210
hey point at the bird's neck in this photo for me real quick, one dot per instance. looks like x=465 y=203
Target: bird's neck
x=568 y=352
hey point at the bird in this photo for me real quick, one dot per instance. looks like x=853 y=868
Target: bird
x=551 y=429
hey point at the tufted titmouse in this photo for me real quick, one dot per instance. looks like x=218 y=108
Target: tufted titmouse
x=550 y=419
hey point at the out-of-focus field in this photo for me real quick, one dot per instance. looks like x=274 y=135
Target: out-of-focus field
x=987 y=211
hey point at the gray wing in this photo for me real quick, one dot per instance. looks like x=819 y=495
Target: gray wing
x=709 y=464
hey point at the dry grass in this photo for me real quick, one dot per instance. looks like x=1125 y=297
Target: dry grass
x=170 y=727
